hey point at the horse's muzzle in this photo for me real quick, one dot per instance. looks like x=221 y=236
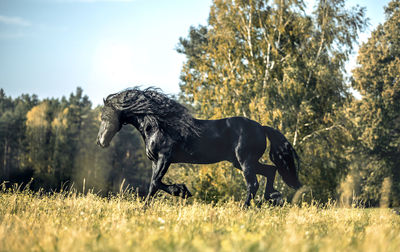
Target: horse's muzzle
x=102 y=144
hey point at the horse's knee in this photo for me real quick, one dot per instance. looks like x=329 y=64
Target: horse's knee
x=155 y=184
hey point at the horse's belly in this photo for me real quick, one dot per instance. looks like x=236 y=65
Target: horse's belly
x=205 y=153
x=199 y=160
x=204 y=160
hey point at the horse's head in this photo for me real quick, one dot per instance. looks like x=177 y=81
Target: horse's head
x=110 y=124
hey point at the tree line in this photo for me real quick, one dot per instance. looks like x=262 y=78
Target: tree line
x=271 y=61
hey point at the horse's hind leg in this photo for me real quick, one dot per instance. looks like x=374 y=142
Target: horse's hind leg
x=252 y=182
x=269 y=171
x=249 y=171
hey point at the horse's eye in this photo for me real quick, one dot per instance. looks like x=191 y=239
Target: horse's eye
x=148 y=128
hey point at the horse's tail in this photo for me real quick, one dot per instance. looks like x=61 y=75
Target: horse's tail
x=283 y=155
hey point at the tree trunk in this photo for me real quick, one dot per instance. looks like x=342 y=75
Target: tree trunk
x=6 y=170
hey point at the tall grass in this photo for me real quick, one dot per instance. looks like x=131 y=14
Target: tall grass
x=69 y=221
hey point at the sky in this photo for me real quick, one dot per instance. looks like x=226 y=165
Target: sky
x=50 y=47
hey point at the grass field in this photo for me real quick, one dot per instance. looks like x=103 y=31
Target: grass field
x=73 y=222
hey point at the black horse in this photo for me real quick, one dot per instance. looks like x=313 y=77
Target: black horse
x=172 y=135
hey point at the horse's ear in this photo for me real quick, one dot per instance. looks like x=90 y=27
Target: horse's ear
x=104 y=101
x=117 y=106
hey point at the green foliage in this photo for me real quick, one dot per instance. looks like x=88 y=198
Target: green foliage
x=377 y=78
x=272 y=62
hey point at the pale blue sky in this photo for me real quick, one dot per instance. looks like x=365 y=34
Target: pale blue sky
x=49 y=47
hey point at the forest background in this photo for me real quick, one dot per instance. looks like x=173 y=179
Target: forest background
x=268 y=61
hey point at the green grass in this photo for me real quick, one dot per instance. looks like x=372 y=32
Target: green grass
x=73 y=222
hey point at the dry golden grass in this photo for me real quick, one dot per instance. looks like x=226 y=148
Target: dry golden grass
x=73 y=222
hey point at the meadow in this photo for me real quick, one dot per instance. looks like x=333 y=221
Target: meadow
x=70 y=221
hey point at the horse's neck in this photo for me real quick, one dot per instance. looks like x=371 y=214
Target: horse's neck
x=136 y=121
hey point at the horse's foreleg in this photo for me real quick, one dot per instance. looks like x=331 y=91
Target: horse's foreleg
x=249 y=171
x=160 y=168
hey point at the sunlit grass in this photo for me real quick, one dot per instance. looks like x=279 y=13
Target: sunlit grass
x=73 y=222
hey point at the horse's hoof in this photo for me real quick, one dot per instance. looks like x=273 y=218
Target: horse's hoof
x=245 y=206
x=183 y=191
x=275 y=195
x=275 y=199
x=146 y=205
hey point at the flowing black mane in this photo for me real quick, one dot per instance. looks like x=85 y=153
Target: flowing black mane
x=167 y=113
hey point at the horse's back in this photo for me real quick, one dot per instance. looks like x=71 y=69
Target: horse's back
x=230 y=129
